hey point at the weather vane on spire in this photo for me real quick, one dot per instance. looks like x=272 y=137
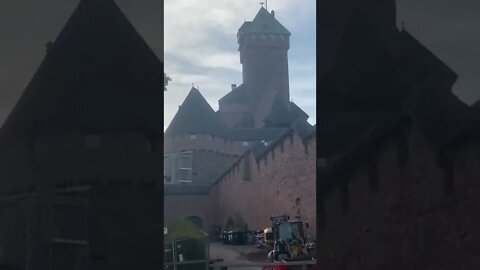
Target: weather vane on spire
x=266 y=4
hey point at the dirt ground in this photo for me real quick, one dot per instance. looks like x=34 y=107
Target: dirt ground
x=238 y=254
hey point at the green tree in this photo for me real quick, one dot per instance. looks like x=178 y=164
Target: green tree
x=166 y=79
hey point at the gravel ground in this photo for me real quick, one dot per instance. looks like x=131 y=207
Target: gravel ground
x=238 y=254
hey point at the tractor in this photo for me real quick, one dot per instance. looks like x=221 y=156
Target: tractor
x=289 y=243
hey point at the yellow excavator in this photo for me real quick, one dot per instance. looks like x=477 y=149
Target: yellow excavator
x=268 y=237
x=289 y=242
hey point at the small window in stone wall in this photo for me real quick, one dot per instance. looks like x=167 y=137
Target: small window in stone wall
x=178 y=167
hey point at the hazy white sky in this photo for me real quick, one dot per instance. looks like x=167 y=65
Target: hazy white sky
x=201 y=48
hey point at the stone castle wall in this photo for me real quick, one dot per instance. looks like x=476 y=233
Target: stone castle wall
x=403 y=214
x=281 y=182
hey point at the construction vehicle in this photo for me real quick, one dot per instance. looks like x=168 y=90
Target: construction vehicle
x=268 y=237
x=289 y=243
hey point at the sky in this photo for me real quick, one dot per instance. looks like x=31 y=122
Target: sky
x=201 y=48
x=200 y=42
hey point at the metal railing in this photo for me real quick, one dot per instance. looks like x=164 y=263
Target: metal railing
x=177 y=258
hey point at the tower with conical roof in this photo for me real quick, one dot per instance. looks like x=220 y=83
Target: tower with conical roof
x=263 y=45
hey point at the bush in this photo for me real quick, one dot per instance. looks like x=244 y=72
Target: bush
x=191 y=241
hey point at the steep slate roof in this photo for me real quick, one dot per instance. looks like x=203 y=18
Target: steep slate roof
x=263 y=23
x=99 y=75
x=297 y=112
x=303 y=128
x=441 y=114
x=237 y=95
x=416 y=62
x=279 y=115
x=195 y=116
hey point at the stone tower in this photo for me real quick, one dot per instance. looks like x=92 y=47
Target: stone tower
x=263 y=45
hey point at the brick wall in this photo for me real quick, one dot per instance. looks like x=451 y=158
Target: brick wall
x=208 y=165
x=282 y=182
x=66 y=160
x=179 y=207
x=203 y=142
x=412 y=218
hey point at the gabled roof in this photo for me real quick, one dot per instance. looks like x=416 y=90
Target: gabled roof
x=263 y=23
x=99 y=75
x=297 y=112
x=441 y=114
x=303 y=128
x=195 y=116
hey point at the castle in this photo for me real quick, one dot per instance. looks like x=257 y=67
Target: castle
x=255 y=156
x=396 y=162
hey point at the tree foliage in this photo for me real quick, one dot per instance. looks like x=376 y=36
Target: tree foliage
x=166 y=79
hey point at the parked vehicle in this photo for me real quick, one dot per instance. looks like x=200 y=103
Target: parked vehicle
x=289 y=243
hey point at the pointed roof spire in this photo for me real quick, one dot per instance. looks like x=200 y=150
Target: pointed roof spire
x=263 y=23
x=195 y=116
x=99 y=62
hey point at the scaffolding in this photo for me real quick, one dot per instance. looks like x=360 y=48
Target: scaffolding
x=45 y=231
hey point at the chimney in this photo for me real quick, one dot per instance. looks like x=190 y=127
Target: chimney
x=273 y=13
x=234 y=86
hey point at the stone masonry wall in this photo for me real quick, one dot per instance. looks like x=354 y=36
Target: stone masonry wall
x=282 y=182
x=412 y=218
x=56 y=161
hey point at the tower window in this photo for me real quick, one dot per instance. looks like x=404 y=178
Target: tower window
x=178 y=167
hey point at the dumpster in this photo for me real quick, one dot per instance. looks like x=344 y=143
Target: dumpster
x=224 y=236
x=239 y=238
